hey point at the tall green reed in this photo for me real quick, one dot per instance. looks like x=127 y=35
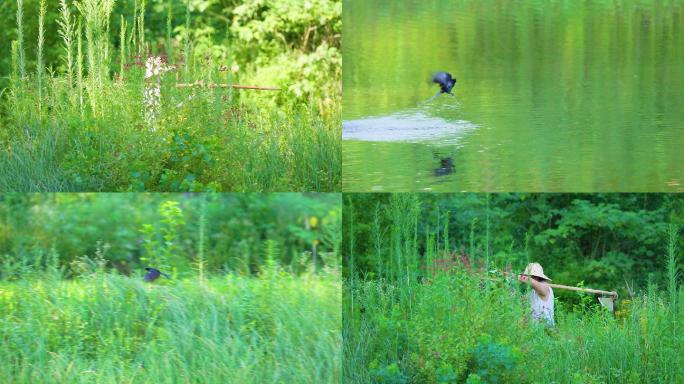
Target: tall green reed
x=20 y=39
x=672 y=267
x=79 y=66
x=200 y=262
x=39 y=57
x=350 y=263
x=122 y=48
x=378 y=239
x=141 y=28
x=66 y=31
x=15 y=74
x=187 y=39
x=133 y=40
x=169 y=28
x=95 y=14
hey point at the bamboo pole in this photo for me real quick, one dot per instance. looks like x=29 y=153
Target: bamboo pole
x=215 y=85
x=570 y=288
x=587 y=290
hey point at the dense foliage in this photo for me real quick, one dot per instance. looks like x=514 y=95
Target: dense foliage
x=227 y=232
x=123 y=96
x=289 y=43
x=603 y=239
x=424 y=300
x=458 y=329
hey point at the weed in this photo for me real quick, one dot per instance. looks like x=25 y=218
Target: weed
x=111 y=328
x=100 y=138
x=20 y=38
x=451 y=325
x=67 y=32
x=39 y=58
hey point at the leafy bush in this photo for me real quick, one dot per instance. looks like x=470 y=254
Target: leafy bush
x=491 y=362
x=390 y=374
x=446 y=375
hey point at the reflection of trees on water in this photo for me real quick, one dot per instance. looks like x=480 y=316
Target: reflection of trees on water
x=566 y=97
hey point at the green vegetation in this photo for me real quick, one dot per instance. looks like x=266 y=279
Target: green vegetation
x=107 y=328
x=139 y=228
x=254 y=294
x=101 y=111
x=415 y=310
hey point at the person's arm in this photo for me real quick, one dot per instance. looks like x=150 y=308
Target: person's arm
x=541 y=288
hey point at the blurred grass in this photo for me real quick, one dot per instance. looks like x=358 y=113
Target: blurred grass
x=108 y=328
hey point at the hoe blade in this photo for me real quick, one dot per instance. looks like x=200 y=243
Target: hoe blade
x=607 y=302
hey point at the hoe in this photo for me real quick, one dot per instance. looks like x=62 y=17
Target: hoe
x=606 y=298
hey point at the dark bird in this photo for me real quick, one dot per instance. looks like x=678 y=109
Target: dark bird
x=445 y=81
x=446 y=167
x=153 y=274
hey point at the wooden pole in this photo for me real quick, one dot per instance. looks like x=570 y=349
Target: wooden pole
x=569 y=288
x=587 y=290
x=215 y=85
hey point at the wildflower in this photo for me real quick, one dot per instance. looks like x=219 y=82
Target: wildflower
x=154 y=67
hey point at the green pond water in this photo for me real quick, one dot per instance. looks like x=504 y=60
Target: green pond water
x=551 y=95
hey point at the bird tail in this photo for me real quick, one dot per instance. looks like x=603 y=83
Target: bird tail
x=165 y=275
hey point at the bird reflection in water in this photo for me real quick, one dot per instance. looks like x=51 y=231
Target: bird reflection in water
x=446 y=166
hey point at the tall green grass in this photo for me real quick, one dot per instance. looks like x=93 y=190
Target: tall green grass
x=424 y=320
x=108 y=328
x=83 y=128
x=20 y=38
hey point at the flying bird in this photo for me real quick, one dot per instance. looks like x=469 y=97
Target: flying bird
x=153 y=274
x=445 y=81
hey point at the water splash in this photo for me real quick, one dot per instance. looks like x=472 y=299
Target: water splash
x=414 y=126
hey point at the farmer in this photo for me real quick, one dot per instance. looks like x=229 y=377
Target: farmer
x=541 y=295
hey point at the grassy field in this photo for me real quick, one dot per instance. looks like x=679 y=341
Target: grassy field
x=458 y=330
x=107 y=328
x=109 y=117
x=424 y=314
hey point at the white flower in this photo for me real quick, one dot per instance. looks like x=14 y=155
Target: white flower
x=155 y=67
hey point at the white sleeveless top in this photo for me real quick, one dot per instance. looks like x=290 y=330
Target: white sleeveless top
x=542 y=310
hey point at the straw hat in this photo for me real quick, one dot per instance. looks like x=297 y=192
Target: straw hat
x=535 y=269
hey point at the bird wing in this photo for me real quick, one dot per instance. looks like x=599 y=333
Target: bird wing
x=439 y=77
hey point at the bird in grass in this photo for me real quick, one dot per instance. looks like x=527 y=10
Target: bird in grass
x=153 y=274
